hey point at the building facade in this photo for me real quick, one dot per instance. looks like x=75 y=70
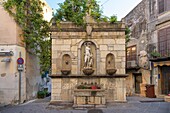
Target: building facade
x=11 y=48
x=148 y=23
x=88 y=64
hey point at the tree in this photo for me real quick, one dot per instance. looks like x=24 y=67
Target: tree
x=76 y=10
x=29 y=16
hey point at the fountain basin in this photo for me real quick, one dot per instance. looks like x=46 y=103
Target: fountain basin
x=111 y=71
x=88 y=71
x=65 y=71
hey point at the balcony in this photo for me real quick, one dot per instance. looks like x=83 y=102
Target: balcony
x=162 y=53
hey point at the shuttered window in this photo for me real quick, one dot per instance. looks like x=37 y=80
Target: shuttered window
x=164 y=42
x=163 y=5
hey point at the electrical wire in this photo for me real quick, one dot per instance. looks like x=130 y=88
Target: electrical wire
x=105 y=2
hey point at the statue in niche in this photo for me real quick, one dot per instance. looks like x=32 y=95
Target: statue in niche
x=88 y=58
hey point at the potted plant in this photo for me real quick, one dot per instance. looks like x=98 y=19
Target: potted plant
x=155 y=54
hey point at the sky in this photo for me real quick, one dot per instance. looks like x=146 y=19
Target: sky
x=120 y=8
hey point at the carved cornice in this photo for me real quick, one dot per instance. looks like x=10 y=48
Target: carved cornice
x=97 y=27
x=92 y=76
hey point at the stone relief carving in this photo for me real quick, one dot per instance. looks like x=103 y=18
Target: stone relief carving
x=143 y=59
x=89 y=29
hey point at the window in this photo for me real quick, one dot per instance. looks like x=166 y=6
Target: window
x=161 y=6
x=131 y=53
x=167 y=5
x=164 y=42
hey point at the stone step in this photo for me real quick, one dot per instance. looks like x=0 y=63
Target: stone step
x=167 y=98
x=88 y=106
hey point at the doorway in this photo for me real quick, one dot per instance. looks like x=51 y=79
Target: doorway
x=137 y=82
x=165 y=80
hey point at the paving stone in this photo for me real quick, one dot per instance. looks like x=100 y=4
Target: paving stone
x=133 y=106
x=95 y=111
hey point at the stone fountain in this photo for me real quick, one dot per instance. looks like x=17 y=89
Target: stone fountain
x=88 y=64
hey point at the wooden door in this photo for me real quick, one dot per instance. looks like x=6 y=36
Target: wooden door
x=165 y=80
x=138 y=80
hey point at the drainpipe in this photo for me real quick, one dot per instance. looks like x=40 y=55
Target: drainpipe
x=151 y=73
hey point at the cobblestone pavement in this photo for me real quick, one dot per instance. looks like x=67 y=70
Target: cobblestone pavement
x=134 y=105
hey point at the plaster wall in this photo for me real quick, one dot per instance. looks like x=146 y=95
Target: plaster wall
x=9 y=76
x=33 y=77
x=11 y=40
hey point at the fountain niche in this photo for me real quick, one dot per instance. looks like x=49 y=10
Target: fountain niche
x=88 y=64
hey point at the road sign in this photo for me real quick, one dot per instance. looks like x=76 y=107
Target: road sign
x=20 y=61
x=20 y=67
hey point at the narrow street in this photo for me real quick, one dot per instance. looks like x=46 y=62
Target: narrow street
x=134 y=105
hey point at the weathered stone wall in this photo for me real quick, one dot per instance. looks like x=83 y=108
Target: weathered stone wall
x=137 y=21
x=147 y=11
x=106 y=42
x=107 y=38
x=63 y=89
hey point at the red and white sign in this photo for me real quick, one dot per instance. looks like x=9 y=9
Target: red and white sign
x=20 y=61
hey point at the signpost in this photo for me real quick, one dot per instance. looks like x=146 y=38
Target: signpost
x=20 y=62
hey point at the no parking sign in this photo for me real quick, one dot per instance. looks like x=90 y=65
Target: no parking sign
x=20 y=62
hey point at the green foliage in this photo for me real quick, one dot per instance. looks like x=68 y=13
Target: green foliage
x=29 y=16
x=42 y=94
x=76 y=10
x=113 y=19
x=127 y=32
x=155 y=54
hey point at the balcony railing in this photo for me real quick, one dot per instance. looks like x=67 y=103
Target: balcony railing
x=164 y=48
x=159 y=49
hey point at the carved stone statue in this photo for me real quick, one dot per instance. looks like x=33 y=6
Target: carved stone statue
x=88 y=56
x=88 y=17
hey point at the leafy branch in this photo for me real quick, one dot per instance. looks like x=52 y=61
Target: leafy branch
x=76 y=10
x=28 y=14
x=127 y=32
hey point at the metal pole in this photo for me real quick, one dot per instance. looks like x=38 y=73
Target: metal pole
x=20 y=83
x=19 y=87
